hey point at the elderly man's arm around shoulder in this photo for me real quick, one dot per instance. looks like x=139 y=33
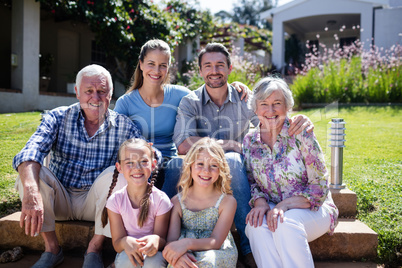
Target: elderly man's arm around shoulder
x=32 y=203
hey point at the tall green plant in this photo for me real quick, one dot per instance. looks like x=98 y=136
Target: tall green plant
x=350 y=75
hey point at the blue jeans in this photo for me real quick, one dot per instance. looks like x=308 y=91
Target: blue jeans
x=239 y=185
x=156 y=261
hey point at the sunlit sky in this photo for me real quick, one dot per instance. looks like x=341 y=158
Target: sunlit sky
x=217 y=5
x=227 y=5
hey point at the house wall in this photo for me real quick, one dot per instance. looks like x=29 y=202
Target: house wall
x=388 y=27
x=70 y=44
x=15 y=102
x=315 y=8
x=5 y=46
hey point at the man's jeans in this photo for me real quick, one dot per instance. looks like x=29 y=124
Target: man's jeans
x=239 y=185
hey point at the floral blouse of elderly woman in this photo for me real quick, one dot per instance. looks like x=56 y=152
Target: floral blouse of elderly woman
x=294 y=167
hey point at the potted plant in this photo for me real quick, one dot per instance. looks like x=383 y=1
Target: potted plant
x=45 y=64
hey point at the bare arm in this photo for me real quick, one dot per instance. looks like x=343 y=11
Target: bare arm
x=123 y=242
x=227 y=145
x=231 y=145
x=32 y=203
x=185 y=146
x=174 y=250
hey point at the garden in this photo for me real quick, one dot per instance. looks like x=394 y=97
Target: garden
x=362 y=87
x=372 y=157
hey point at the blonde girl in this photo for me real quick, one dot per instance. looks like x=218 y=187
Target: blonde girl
x=139 y=213
x=199 y=231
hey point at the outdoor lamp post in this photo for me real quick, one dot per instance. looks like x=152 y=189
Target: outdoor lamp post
x=337 y=143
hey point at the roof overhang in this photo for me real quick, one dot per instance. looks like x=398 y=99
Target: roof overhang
x=269 y=14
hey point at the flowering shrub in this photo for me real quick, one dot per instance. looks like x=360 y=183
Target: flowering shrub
x=245 y=69
x=349 y=75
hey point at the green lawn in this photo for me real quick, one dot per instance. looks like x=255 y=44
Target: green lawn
x=372 y=165
x=372 y=168
x=15 y=130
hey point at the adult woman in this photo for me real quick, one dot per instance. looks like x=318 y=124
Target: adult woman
x=151 y=102
x=290 y=199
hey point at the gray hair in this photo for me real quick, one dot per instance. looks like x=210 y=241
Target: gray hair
x=94 y=70
x=266 y=86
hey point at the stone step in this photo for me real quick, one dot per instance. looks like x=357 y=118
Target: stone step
x=346 y=201
x=76 y=260
x=71 y=234
x=352 y=240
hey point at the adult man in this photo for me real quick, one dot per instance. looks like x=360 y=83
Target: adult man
x=215 y=110
x=83 y=139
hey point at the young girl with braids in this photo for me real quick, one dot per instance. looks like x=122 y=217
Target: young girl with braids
x=199 y=231
x=139 y=213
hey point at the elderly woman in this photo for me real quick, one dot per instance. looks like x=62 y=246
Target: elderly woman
x=290 y=199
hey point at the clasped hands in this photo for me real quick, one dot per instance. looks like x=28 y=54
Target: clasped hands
x=137 y=248
x=256 y=216
x=177 y=255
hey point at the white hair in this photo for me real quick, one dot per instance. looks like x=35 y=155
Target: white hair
x=94 y=70
x=266 y=86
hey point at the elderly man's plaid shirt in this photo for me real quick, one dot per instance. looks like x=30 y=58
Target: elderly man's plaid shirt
x=76 y=158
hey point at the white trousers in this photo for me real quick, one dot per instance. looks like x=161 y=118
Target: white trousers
x=74 y=204
x=288 y=245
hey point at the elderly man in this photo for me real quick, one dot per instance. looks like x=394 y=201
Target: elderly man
x=215 y=110
x=83 y=140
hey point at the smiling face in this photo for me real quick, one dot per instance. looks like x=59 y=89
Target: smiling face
x=155 y=67
x=272 y=111
x=205 y=170
x=214 y=69
x=136 y=164
x=94 y=96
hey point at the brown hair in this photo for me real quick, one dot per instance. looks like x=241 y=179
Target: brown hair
x=137 y=80
x=215 y=47
x=212 y=147
x=144 y=204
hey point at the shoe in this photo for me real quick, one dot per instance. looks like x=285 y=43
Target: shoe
x=49 y=260
x=92 y=260
x=249 y=261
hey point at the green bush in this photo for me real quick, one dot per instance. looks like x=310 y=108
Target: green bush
x=350 y=75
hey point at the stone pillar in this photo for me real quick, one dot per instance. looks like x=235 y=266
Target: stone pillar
x=239 y=43
x=278 y=44
x=25 y=46
x=366 y=27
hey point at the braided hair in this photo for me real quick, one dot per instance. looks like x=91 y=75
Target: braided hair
x=144 y=204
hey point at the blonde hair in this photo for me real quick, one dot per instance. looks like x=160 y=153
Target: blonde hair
x=215 y=151
x=154 y=44
x=144 y=204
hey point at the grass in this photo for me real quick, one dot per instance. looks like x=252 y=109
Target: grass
x=372 y=165
x=15 y=130
x=372 y=168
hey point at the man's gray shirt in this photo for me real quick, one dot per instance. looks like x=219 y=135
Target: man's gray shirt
x=198 y=115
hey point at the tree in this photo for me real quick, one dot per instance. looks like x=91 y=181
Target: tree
x=248 y=12
x=122 y=27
